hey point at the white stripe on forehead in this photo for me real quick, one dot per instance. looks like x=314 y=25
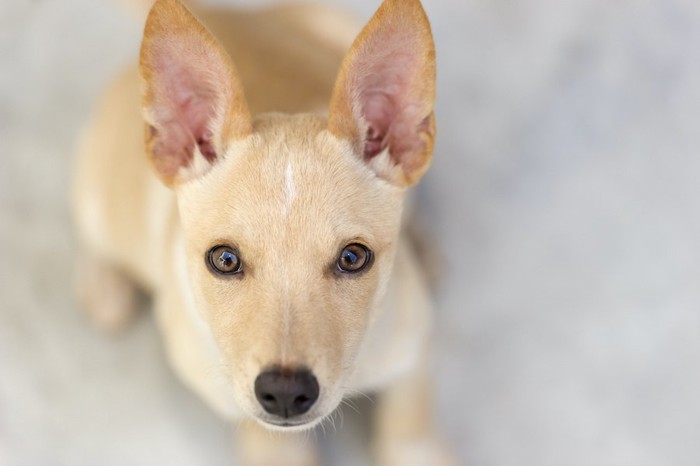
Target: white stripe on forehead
x=289 y=189
x=289 y=194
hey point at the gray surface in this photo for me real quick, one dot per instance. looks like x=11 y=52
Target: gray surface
x=565 y=195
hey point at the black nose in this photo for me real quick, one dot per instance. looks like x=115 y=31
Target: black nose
x=286 y=393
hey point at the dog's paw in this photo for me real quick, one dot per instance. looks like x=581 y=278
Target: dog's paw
x=257 y=446
x=110 y=299
x=420 y=452
x=272 y=457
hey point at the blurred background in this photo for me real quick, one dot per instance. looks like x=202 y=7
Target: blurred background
x=565 y=196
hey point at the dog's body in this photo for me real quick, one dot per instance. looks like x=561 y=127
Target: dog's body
x=263 y=180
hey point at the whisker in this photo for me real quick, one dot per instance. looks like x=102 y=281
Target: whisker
x=358 y=393
x=341 y=416
x=351 y=406
x=335 y=430
x=323 y=427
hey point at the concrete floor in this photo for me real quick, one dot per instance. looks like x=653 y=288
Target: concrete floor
x=564 y=193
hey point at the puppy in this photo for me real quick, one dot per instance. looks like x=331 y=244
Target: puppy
x=260 y=205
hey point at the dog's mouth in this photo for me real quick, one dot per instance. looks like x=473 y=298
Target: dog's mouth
x=289 y=425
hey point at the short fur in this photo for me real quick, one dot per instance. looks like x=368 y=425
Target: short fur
x=289 y=190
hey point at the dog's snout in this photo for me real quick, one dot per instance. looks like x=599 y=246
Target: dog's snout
x=286 y=393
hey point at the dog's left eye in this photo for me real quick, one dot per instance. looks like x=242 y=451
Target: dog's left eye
x=224 y=260
x=354 y=258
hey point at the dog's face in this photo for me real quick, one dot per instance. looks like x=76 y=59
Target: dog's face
x=290 y=222
x=290 y=242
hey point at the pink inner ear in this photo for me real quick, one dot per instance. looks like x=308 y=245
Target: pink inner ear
x=189 y=104
x=386 y=73
x=188 y=85
x=378 y=112
x=196 y=114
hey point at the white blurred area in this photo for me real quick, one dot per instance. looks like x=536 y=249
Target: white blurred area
x=565 y=196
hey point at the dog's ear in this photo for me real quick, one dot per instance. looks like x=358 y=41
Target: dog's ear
x=193 y=102
x=384 y=96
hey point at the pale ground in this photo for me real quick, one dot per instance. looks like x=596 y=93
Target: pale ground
x=565 y=196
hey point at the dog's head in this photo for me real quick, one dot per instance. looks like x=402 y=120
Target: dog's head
x=290 y=222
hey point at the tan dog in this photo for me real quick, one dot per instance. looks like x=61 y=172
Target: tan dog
x=282 y=282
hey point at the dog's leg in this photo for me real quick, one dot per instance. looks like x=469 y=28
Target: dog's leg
x=109 y=296
x=406 y=434
x=261 y=447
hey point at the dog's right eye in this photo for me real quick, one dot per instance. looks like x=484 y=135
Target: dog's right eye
x=224 y=260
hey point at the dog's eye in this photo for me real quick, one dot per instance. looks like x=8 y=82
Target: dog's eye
x=354 y=258
x=224 y=260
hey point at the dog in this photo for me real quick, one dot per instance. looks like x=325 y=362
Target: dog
x=257 y=194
